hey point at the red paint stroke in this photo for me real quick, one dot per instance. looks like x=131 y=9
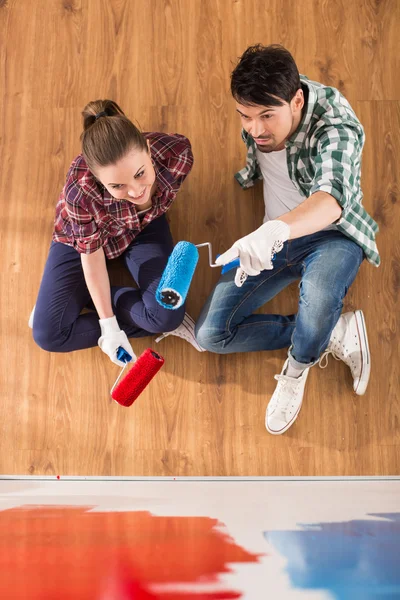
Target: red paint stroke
x=67 y=553
x=58 y=477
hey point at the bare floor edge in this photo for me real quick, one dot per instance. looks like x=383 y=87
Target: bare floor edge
x=205 y=479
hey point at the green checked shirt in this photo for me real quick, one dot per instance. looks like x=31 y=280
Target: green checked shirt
x=324 y=155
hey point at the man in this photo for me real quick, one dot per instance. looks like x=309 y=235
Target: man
x=305 y=142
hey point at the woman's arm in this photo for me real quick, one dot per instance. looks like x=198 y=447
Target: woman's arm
x=98 y=282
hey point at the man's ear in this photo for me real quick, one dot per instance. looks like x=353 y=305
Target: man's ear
x=298 y=100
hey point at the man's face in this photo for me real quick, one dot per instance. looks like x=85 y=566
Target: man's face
x=271 y=126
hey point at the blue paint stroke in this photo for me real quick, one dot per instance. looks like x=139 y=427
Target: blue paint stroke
x=353 y=560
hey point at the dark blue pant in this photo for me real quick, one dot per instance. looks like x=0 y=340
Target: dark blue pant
x=58 y=325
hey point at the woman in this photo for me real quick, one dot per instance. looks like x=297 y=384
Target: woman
x=113 y=204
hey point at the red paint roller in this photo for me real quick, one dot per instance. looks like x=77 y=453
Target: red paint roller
x=139 y=376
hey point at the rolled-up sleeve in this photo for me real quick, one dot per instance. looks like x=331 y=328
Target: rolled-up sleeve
x=338 y=165
x=87 y=236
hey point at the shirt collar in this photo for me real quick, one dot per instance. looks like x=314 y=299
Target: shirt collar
x=297 y=138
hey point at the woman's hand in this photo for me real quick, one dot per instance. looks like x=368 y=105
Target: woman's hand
x=112 y=337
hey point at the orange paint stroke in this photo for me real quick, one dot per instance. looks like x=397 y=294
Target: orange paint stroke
x=64 y=553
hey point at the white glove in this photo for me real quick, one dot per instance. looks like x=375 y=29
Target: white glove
x=256 y=250
x=112 y=337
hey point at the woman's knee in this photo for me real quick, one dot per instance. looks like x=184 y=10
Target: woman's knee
x=165 y=320
x=44 y=337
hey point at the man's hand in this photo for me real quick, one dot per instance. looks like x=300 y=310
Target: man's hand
x=256 y=250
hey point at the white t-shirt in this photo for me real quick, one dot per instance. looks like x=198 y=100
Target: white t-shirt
x=280 y=194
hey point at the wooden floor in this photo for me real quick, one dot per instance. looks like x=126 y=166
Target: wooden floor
x=168 y=63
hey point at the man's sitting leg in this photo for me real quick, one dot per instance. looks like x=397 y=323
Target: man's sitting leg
x=330 y=269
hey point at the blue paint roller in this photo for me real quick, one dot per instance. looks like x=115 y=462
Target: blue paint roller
x=178 y=274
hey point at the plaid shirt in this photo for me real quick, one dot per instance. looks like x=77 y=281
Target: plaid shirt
x=324 y=155
x=88 y=217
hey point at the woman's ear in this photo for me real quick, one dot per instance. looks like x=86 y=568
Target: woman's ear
x=148 y=145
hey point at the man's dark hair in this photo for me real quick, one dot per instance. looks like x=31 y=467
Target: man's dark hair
x=264 y=74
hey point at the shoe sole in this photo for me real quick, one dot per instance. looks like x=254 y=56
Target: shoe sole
x=286 y=426
x=362 y=384
x=189 y=325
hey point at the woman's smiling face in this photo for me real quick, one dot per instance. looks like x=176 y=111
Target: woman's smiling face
x=131 y=178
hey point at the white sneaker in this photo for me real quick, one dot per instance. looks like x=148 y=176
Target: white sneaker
x=185 y=331
x=30 y=322
x=349 y=343
x=285 y=404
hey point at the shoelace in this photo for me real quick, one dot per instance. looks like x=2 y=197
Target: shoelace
x=324 y=357
x=283 y=380
x=337 y=356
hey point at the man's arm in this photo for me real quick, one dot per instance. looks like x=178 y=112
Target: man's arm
x=332 y=196
x=337 y=170
x=317 y=212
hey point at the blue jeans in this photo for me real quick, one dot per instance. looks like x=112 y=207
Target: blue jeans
x=326 y=264
x=58 y=325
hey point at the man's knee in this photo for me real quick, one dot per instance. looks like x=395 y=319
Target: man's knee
x=210 y=339
x=321 y=298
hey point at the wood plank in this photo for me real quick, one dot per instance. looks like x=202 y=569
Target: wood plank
x=168 y=65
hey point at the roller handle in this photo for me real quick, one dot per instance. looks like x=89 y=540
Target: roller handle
x=231 y=265
x=234 y=264
x=123 y=355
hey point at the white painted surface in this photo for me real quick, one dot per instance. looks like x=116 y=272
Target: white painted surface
x=245 y=510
